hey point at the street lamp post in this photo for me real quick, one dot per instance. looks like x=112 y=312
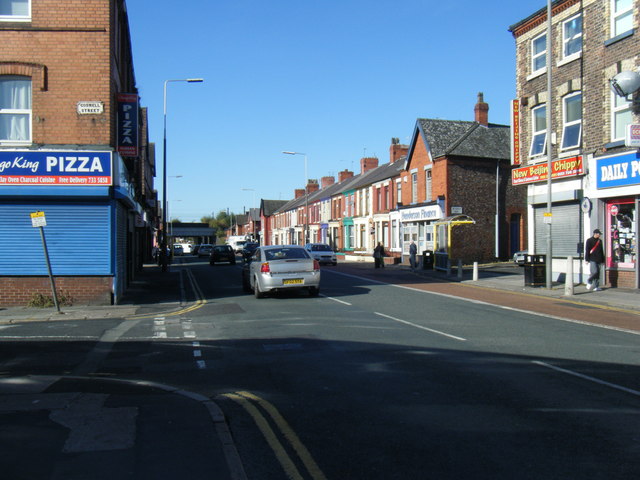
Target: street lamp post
x=306 y=195
x=163 y=244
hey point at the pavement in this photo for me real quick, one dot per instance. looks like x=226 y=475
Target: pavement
x=85 y=426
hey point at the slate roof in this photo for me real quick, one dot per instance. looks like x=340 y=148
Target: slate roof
x=462 y=138
x=269 y=207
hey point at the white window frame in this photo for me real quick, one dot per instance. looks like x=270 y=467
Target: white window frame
x=620 y=15
x=18 y=18
x=619 y=106
x=414 y=186
x=428 y=184
x=535 y=56
x=567 y=124
x=398 y=191
x=537 y=133
x=565 y=41
x=20 y=111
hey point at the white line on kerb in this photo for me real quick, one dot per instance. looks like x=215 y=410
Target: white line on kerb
x=587 y=377
x=421 y=327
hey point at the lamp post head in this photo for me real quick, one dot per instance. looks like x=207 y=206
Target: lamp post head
x=195 y=80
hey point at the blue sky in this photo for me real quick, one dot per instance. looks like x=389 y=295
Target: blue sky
x=335 y=79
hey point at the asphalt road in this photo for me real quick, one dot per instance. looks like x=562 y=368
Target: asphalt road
x=369 y=381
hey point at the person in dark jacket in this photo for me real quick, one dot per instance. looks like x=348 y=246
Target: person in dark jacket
x=413 y=251
x=378 y=255
x=594 y=254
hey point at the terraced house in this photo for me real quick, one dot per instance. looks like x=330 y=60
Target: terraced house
x=588 y=142
x=73 y=145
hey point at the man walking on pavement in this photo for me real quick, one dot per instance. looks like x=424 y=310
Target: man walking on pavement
x=594 y=254
x=413 y=251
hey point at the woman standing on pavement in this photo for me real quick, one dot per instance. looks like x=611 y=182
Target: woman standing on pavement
x=594 y=254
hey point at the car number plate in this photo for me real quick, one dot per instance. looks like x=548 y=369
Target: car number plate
x=293 y=281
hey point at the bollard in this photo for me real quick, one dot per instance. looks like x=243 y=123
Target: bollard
x=475 y=271
x=459 y=269
x=568 y=280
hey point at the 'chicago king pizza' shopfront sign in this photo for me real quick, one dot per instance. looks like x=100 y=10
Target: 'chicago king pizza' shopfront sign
x=32 y=168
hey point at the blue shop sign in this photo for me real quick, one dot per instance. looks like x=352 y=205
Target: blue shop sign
x=618 y=171
x=53 y=168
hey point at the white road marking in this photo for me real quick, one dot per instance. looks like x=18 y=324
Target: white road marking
x=587 y=377
x=201 y=364
x=189 y=334
x=503 y=307
x=421 y=327
x=197 y=353
x=336 y=300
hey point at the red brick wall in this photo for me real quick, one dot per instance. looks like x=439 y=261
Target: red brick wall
x=67 y=50
x=18 y=291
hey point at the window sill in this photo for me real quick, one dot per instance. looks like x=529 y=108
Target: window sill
x=569 y=153
x=536 y=74
x=614 y=144
x=617 y=38
x=569 y=59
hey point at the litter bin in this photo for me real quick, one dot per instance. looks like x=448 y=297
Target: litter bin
x=535 y=271
x=427 y=260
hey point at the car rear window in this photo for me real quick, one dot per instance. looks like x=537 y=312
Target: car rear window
x=320 y=248
x=285 y=253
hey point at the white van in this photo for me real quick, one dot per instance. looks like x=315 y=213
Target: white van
x=236 y=242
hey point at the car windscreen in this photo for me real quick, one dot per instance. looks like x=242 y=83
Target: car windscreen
x=320 y=248
x=285 y=253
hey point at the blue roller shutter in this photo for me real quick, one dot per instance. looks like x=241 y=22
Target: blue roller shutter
x=78 y=239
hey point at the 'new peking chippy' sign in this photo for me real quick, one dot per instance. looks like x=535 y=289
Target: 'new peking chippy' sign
x=74 y=168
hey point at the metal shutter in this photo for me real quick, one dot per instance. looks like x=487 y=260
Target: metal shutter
x=565 y=230
x=78 y=239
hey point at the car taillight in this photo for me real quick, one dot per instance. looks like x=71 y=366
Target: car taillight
x=316 y=265
x=264 y=268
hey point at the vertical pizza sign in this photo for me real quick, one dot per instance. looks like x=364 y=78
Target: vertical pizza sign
x=128 y=124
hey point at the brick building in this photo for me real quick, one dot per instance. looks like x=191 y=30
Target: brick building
x=74 y=145
x=455 y=185
x=591 y=42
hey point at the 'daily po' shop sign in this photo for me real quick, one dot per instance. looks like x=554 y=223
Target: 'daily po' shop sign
x=566 y=167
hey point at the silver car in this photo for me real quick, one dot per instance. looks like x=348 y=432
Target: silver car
x=283 y=267
x=322 y=252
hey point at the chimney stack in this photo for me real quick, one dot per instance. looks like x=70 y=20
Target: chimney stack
x=298 y=192
x=345 y=174
x=327 y=181
x=312 y=185
x=396 y=150
x=481 y=111
x=368 y=163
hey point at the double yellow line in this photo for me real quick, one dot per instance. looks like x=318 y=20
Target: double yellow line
x=197 y=291
x=255 y=406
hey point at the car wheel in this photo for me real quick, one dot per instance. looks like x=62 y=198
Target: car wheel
x=233 y=261
x=256 y=289
x=211 y=262
x=314 y=291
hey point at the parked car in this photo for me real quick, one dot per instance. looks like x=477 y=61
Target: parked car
x=178 y=249
x=222 y=253
x=520 y=257
x=249 y=249
x=281 y=267
x=322 y=252
x=204 y=250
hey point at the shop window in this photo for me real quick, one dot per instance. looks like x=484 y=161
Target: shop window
x=621 y=17
x=15 y=10
x=621 y=225
x=15 y=109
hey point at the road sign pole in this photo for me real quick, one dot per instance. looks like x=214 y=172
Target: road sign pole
x=53 y=282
